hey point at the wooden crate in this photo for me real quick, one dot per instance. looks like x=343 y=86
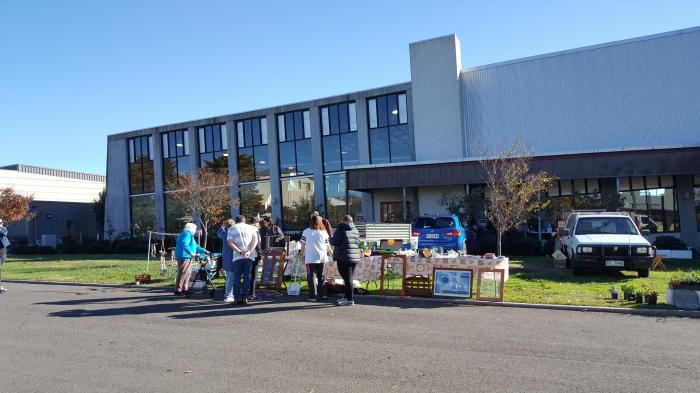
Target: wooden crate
x=418 y=286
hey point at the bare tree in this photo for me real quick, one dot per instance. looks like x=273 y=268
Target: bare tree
x=206 y=198
x=512 y=188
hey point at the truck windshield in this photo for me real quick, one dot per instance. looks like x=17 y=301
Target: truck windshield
x=605 y=225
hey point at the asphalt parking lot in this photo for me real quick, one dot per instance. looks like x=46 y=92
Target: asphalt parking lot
x=67 y=338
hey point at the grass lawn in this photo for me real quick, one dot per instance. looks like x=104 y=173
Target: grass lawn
x=95 y=269
x=532 y=279
x=537 y=280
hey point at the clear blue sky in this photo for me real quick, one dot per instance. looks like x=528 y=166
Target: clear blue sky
x=72 y=72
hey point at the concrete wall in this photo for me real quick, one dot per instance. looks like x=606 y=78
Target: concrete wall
x=117 y=206
x=51 y=188
x=435 y=69
x=432 y=199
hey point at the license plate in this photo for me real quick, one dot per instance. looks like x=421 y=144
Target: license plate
x=432 y=236
x=615 y=262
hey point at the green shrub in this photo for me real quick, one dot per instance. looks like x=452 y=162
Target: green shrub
x=670 y=243
x=31 y=250
x=514 y=243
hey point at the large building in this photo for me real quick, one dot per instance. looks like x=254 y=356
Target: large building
x=616 y=118
x=62 y=204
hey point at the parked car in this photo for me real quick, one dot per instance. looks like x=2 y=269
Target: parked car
x=605 y=241
x=440 y=231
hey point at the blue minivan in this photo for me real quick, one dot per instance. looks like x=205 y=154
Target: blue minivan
x=440 y=231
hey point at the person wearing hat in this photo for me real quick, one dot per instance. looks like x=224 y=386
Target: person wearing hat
x=4 y=243
x=185 y=249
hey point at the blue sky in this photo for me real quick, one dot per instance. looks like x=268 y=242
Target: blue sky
x=73 y=72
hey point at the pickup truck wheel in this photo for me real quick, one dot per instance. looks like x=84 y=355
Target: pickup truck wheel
x=643 y=273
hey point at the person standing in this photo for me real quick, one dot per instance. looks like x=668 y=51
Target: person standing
x=242 y=238
x=225 y=249
x=315 y=248
x=256 y=261
x=4 y=243
x=346 y=252
x=185 y=249
x=271 y=234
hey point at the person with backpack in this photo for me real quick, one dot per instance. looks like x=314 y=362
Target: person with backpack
x=4 y=243
x=346 y=253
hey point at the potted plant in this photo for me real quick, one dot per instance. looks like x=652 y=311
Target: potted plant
x=639 y=297
x=627 y=291
x=613 y=292
x=651 y=298
x=684 y=290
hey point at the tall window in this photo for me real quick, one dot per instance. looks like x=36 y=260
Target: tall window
x=576 y=186
x=294 y=132
x=253 y=163
x=176 y=145
x=213 y=147
x=143 y=214
x=653 y=200
x=388 y=129
x=339 y=129
x=297 y=202
x=141 y=180
x=337 y=205
x=256 y=199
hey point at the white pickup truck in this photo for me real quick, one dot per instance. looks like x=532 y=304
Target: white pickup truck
x=605 y=241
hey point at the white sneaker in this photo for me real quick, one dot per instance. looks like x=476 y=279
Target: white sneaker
x=3 y=289
x=229 y=299
x=345 y=302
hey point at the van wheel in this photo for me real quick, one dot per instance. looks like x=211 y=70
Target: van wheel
x=643 y=273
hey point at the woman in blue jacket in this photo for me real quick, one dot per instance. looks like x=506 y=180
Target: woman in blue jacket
x=185 y=248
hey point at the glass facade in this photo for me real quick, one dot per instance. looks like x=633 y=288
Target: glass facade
x=339 y=130
x=294 y=134
x=141 y=179
x=176 y=145
x=297 y=202
x=253 y=161
x=388 y=129
x=213 y=147
x=653 y=200
x=143 y=214
x=175 y=214
x=578 y=186
x=256 y=199
x=336 y=203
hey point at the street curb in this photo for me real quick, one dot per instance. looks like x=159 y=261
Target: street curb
x=649 y=312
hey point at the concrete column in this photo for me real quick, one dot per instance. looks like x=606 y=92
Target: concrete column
x=608 y=186
x=362 y=130
x=436 y=96
x=273 y=156
x=317 y=146
x=686 y=209
x=158 y=178
x=233 y=165
x=194 y=151
x=363 y=147
x=117 y=202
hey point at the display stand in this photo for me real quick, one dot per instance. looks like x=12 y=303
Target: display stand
x=495 y=293
x=273 y=262
x=388 y=273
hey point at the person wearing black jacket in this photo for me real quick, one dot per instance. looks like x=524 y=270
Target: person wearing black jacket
x=346 y=252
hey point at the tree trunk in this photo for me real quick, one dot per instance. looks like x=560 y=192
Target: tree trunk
x=500 y=236
x=206 y=236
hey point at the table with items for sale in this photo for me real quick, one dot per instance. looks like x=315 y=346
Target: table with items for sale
x=459 y=276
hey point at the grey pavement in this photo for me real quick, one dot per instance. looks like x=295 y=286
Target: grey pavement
x=65 y=338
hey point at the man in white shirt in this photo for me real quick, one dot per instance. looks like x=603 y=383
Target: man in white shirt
x=242 y=239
